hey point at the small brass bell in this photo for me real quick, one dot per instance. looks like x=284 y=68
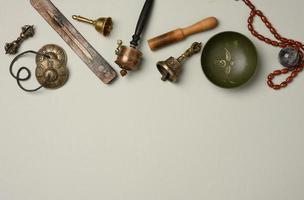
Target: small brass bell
x=172 y=67
x=102 y=25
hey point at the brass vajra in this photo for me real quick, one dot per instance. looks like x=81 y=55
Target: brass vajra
x=13 y=47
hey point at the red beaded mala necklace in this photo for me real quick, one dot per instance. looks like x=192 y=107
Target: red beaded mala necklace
x=291 y=56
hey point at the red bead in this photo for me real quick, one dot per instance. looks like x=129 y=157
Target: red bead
x=299 y=44
x=285 y=71
x=259 y=13
x=282 y=45
x=267 y=23
x=273 y=31
x=274 y=43
x=254 y=33
x=294 y=74
x=271 y=76
x=299 y=69
x=276 y=87
x=250 y=27
x=261 y=37
x=270 y=84
x=267 y=40
x=289 y=79
x=278 y=36
x=277 y=72
x=284 y=84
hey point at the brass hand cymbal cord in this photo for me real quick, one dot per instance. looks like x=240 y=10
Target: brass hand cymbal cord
x=28 y=72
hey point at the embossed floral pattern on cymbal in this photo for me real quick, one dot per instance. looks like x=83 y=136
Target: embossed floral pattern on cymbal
x=52 y=72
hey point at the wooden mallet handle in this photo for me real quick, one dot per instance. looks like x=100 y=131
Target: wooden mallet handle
x=180 y=34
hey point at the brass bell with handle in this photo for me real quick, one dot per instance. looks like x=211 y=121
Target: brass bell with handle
x=103 y=25
x=171 y=68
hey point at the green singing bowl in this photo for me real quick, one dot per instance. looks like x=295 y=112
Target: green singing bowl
x=229 y=59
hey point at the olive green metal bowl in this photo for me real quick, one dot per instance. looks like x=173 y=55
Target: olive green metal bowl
x=229 y=59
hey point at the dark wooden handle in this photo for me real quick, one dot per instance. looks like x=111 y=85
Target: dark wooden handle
x=143 y=18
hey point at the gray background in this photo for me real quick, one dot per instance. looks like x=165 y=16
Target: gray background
x=140 y=138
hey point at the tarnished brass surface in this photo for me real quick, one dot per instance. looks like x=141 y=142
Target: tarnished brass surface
x=101 y=68
x=128 y=58
x=103 y=25
x=171 y=68
x=51 y=72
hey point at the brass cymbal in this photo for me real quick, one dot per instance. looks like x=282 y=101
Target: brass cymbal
x=51 y=71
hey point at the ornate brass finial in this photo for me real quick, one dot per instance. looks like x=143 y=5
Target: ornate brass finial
x=102 y=25
x=172 y=67
x=13 y=47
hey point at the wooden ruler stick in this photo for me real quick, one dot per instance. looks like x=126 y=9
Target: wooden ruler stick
x=75 y=40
